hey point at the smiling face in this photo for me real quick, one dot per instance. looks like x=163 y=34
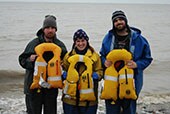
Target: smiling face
x=119 y=24
x=80 y=44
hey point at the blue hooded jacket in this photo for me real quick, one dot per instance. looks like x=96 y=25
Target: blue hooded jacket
x=140 y=49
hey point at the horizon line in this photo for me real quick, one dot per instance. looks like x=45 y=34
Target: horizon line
x=87 y=2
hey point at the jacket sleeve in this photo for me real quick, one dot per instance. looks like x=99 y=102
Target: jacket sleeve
x=97 y=67
x=65 y=62
x=64 y=51
x=103 y=54
x=24 y=58
x=62 y=46
x=104 y=49
x=145 y=59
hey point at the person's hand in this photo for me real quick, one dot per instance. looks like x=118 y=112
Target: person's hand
x=95 y=76
x=108 y=63
x=33 y=57
x=131 y=64
x=64 y=75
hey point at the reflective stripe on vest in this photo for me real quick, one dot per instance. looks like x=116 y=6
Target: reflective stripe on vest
x=54 y=78
x=86 y=91
x=37 y=64
x=111 y=78
x=40 y=63
x=124 y=76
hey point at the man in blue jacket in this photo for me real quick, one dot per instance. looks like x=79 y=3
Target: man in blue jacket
x=121 y=36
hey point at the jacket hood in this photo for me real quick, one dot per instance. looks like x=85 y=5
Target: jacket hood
x=40 y=32
x=133 y=29
x=135 y=32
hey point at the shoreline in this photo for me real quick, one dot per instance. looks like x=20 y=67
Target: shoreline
x=12 y=100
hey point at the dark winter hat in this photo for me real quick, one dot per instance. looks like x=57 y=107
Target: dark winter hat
x=80 y=34
x=50 y=21
x=119 y=14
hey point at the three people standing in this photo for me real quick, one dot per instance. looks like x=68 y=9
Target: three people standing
x=83 y=68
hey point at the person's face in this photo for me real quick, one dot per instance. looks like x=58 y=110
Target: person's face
x=49 y=32
x=81 y=44
x=119 y=24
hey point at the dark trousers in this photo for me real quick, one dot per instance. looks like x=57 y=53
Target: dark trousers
x=121 y=107
x=71 y=109
x=45 y=99
x=28 y=104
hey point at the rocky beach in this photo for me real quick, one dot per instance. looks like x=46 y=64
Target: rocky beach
x=12 y=98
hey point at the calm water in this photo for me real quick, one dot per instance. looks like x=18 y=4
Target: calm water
x=20 y=22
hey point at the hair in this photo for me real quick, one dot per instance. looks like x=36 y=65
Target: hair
x=73 y=47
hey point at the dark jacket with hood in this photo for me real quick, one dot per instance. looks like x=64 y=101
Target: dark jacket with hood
x=24 y=58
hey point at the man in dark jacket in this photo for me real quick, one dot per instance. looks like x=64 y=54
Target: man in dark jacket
x=44 y=97
x=121 y=36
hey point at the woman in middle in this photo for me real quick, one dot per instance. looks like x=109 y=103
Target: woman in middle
x=83 y=70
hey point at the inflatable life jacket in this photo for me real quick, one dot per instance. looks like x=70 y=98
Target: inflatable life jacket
x=122 y=79
x=47 y=75
x=82 y=83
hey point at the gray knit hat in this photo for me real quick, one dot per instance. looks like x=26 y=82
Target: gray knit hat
x=119 y=14
x=49 y=21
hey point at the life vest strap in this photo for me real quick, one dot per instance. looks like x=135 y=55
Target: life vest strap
x=111 y=78
x=81 y=58
x=65 y=89
x=43 y=84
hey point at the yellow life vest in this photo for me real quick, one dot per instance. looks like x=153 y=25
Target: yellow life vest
x=122 y=80
x=51 y=71
x=84 y=82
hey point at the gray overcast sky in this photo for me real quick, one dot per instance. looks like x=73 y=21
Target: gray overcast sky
x=100 y=1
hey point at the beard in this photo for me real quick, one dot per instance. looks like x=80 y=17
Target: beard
x=120 y=28
x=50 y=35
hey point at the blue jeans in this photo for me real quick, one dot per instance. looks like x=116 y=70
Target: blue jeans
x=127 y=106
x=72 y=109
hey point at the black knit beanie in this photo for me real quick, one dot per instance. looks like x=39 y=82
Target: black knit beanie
x=119 y=14
x=49 y=21
x=80 y=34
